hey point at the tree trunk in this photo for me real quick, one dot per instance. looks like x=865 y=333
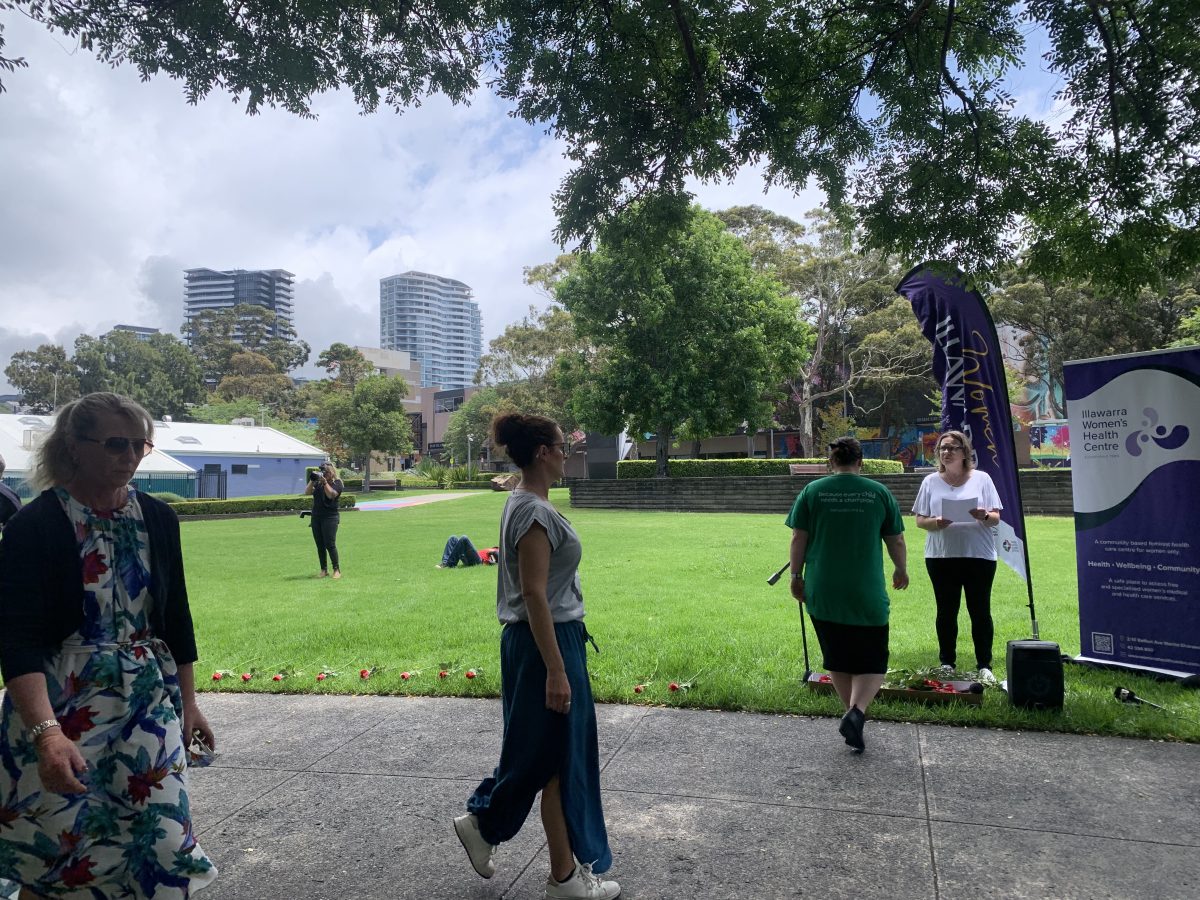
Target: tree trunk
x=663 y=444
x=367 y=474
x=806 y=437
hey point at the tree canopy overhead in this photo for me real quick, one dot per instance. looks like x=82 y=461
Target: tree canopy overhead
x=900 y=107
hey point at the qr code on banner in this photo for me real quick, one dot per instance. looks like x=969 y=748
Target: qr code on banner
x=1102 y=642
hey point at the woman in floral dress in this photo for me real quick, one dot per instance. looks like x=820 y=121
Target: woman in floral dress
x=96 y=648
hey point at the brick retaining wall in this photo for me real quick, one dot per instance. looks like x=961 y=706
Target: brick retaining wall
x=1043 y=493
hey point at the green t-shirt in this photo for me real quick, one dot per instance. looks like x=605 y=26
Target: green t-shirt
x=846 y=517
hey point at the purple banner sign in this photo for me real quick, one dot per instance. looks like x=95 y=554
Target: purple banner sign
x=1135 y=477
x=970 y=368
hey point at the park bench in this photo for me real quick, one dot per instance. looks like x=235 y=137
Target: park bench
x=808 y=469
x=382 y=484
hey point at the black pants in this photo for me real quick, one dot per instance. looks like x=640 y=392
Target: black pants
x=951 y=579
x=324 y=529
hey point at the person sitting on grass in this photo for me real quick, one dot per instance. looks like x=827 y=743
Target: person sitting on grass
x=460 y=549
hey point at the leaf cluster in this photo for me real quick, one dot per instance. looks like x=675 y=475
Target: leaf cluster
x=901 y=108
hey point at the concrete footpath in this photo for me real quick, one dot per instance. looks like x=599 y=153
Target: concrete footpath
x=352 y=797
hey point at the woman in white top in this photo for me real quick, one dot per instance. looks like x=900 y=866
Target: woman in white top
x=960 y=556
x=549 y=718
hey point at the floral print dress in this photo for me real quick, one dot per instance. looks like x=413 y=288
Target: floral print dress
x=115 y=691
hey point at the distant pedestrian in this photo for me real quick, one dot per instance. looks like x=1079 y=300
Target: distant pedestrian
x=9 y=501
x=326 y=489
x=549 y=717
x=838 y=523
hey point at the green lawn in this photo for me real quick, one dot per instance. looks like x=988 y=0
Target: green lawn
x=670 y=596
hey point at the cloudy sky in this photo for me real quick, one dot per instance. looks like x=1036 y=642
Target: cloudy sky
x=113 y=187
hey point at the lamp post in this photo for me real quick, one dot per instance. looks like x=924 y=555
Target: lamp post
x=54 y=403
x=470 y=441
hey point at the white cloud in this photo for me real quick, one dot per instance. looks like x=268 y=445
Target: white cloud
x=113 y=187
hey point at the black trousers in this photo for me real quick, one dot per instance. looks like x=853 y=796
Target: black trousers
x=951 y=579
x=324 y=529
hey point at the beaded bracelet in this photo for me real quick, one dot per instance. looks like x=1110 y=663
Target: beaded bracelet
x=42 y=727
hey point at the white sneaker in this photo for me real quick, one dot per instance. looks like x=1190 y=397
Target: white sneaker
x=479 y=851
x=582 y=885
x=986 y=676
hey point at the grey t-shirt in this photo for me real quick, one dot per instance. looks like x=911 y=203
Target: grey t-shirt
x=521 y=510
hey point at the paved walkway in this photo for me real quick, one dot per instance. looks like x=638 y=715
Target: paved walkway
x=401 y=502
x=351 y=797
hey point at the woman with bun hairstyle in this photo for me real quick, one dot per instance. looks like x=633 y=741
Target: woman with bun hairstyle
x=960 y=556
x=549 y=717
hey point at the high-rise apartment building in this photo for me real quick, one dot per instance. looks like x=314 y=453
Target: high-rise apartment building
x=211 y=289
x=436 y=320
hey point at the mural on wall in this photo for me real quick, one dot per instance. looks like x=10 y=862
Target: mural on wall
x=911 y=445
x=788 y=446
x=1050 y=442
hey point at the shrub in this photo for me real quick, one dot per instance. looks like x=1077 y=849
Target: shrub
x=433 y=471
x=252 y=505
x=469 y=485
x=167 y=496
x=736 y=468
x=414 y=484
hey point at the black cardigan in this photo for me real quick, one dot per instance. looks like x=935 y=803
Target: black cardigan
x=41 y=584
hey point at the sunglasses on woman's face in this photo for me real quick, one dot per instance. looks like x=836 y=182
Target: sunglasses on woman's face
x=118 y=446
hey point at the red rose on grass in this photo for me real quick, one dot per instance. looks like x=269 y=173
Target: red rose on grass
x=217 y=676
x=246 y=676
x=364 y=673
x=673 y=686
x=471 y=673
x=277 y=678
x=443 y=673
x=321 y=676
x=638 y=688
x=406 y=675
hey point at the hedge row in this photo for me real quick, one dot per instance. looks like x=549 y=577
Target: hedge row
x=250 y=505
x=730 y=468
x=469 y=485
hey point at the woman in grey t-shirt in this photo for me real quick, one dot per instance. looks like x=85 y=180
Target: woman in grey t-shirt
x=549 y=717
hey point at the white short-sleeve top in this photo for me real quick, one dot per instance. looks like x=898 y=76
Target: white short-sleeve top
x=972 y=539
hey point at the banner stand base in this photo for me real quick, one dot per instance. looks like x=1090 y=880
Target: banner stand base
x=1187 y=678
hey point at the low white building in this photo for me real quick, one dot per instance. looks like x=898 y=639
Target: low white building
x=20 y=436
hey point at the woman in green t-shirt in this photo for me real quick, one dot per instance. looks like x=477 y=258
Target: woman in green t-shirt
x=838 y=523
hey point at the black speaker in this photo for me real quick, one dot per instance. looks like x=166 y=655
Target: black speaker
x=1035 y=674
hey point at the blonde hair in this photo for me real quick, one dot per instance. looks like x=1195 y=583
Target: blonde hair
x=968 y=453
x=54 y=463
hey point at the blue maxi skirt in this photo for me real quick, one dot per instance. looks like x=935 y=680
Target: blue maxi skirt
x=539 y=744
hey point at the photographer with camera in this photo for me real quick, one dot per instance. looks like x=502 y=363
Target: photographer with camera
x=326 y=488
